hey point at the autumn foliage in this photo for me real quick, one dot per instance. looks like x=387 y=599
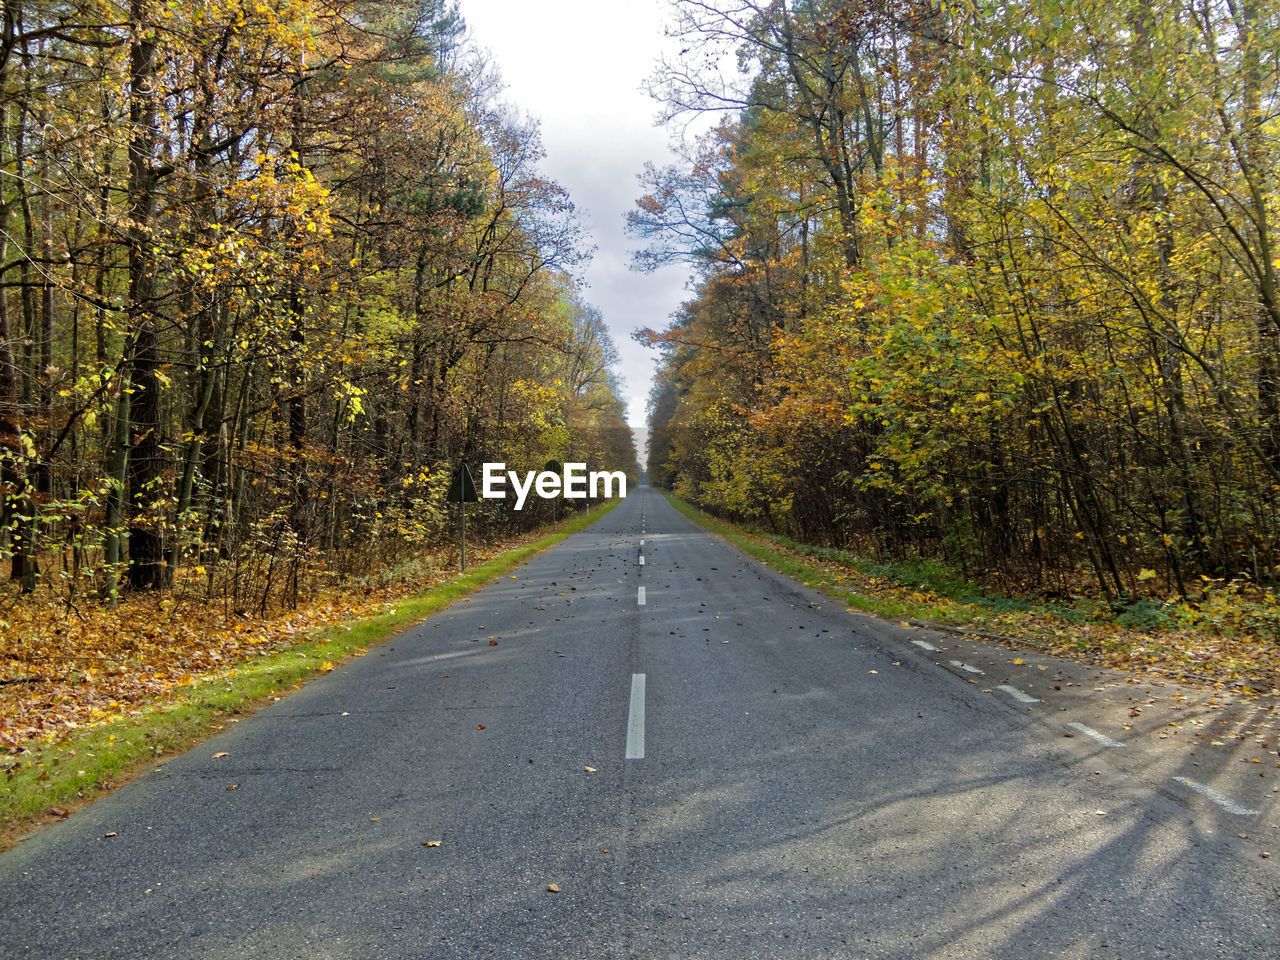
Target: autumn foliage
x=271 y=268
x=998 y=285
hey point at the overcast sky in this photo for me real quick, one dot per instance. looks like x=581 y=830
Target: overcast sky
x=578 y=67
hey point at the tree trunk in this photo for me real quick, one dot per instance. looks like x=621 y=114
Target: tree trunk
x=147 y=568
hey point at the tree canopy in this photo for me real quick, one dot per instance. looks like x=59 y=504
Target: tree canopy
x=268 y=270
x=991 y=283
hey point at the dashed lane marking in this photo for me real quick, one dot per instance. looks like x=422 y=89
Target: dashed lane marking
x=1225 y=802
x=640 y=596
x=1017 y=694
x=925 y=645
x=635 y=719
x=1093 y=734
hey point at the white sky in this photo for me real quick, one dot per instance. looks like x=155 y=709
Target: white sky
x=578 y=67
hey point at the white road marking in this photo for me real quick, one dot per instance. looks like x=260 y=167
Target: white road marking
x=965 y=667
x=1093 y=734
x=1016 y=694
x=1226 y=803
x=642 y=543
x=640 y=596
x=642 y=559
x=635 y=719
x=925 y=645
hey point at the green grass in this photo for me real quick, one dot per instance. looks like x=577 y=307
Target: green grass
x=64 y=774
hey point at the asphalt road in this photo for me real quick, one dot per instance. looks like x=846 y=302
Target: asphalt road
x=802 y=783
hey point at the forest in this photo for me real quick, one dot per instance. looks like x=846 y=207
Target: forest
x=269 y=270
x=995 y=284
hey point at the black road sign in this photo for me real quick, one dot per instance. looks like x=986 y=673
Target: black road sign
x=463 y=488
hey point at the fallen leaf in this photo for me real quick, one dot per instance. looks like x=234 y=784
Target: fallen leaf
x=553 y=888
x=373 y=819
x=479 y=726
x=1018 y=660
x=111 y=834
x=219 y=756
x=873 y=671
x=431 y=843
x=493 y=643
x=589 y=769
x=234 y=786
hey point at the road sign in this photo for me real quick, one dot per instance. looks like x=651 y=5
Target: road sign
x=463 y=488
x=463 y=491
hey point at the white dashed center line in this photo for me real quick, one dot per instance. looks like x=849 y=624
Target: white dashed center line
x=1093 y=734
x=642 y=559
x=925 y=645
x=635 y=719
x=1016 y=694
x=1226 y=803
x=967 y=669
x=640 y=596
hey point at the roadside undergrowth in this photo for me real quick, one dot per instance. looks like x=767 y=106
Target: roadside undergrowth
x=89 y=696
x=1224 y=639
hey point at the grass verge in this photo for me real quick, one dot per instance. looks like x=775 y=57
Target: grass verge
x=49 y=780
x=1222 y=642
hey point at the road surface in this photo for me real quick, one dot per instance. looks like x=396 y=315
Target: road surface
x=707 y=761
